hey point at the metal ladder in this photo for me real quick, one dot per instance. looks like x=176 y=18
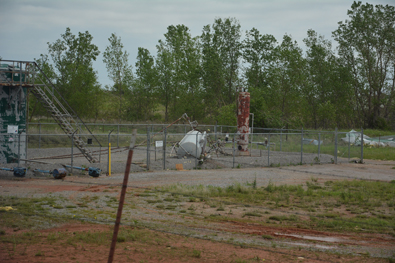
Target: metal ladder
x=62 y=116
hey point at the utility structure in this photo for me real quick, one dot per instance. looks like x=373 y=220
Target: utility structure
x=17 y=79
x=243 y=122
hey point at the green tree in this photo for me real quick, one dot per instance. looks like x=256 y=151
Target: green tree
x=367 y=44
x=222 y=50
x=164 y=69
x=118 y=68
x=287 y=77
x=260 y=57
x=259 y=53
x=318 y=87
x=76 y=79
x=145 y=83
x=35 y=107
x=182 y=52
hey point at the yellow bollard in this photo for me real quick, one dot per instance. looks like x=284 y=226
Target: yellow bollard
x=109 y=159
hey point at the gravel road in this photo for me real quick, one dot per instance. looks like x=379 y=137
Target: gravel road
x=54 y=158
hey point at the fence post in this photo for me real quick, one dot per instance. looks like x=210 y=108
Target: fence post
x=234 y=150
x=19 y=145
x=197 y=138
x=319 y=145
x=268 y=150
x=72 y=146
x=281 y=139
x=348 y=147
x=301 y=148
x=118 y=136
x=215 y=130
x=39 y=135
x=336 y=145
x=164 y=150
x=109 y=154
x=361 y=145
x=148 y=149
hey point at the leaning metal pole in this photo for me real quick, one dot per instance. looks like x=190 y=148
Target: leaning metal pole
x=122 y=197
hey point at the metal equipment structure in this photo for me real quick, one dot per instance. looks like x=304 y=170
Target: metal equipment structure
x=56 y=173
x=193 y=144
x=18 y=171
x=13 y=112
x=20 y=77
x=243 y=123
x=92 y=171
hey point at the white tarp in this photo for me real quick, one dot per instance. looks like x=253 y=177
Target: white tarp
x=354 y=137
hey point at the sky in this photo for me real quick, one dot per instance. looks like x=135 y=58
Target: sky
x=26 y=26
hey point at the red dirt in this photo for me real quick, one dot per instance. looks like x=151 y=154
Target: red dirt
x=176 y=249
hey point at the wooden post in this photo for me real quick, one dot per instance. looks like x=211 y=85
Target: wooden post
x=122 y=197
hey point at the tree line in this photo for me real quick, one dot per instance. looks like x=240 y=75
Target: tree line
x=350 y=85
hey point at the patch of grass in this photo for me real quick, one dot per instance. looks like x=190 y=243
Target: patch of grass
x=333 y=197
x=268 y=237
x=253 y=213
x=196 y=253
x=292 y=218
x=39 y=254
x=121 y=239
x=153 y=201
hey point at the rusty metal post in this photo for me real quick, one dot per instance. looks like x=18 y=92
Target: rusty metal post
x=122 y=197
x=243 y=123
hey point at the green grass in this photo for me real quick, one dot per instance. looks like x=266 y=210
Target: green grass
x=349 y=204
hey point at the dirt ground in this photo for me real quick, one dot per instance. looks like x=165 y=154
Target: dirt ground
x=182 y=237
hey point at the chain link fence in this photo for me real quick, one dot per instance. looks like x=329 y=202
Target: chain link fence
x=159 y=150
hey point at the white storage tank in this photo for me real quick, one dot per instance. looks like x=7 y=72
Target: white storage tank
x=188 y=144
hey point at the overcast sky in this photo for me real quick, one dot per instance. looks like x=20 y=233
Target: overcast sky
x=27 y=25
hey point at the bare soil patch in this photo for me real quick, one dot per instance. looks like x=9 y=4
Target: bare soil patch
x=174 y=233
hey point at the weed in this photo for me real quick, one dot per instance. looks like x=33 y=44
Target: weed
x=254 y=213
x=153 y=201
x=269 y=237
x=196 y=253
x=192 y=208
x=254 y=184
x=121 y=239
x=39 y=254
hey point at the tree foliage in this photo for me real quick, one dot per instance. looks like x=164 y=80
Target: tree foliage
x=72 y=58
x=316 y=86
x=119 y=70
x=366 y=43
